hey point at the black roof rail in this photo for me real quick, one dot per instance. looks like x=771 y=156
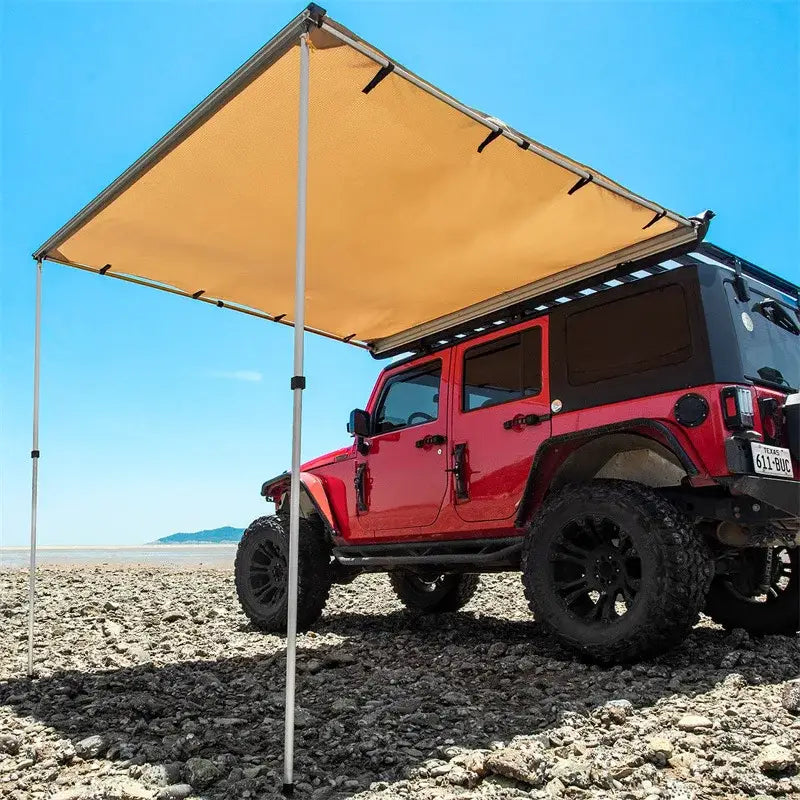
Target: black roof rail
x=627 y=272
x=748 y=268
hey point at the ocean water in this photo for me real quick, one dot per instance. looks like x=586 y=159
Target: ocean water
x=188 y=555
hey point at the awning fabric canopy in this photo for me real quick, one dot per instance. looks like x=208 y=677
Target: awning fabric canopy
x=409 y=224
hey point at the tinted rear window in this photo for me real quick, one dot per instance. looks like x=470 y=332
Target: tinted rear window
x=628 y=336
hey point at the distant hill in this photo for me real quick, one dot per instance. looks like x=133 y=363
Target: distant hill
x=215 y=536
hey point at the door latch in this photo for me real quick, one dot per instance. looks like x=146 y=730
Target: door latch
x=522 y=420
x=432 y=439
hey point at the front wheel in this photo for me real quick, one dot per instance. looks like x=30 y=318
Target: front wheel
x=433 y=594
x=760 y=592
x=262 y=579
x=614 y=570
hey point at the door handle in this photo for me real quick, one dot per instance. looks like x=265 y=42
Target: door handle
x=522 y=420
x=427 y=441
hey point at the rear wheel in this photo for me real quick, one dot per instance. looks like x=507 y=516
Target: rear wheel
x=614 y=570
x=433 y=594
x=760 y=592
x=262 y=578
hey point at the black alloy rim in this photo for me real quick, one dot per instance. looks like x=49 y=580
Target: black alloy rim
x=268 y=574
x=595 y=569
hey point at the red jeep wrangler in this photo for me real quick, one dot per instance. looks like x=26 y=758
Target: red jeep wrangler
x=631 y=446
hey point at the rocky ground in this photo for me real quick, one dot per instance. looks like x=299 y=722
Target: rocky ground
x=151 y=685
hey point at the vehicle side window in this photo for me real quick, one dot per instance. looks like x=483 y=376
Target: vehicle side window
x=649 y=330
x=411 y=398
x=503 y=370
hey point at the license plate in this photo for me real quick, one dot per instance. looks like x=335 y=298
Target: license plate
x=769 y=460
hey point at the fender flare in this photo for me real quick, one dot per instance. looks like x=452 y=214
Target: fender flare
x=630 y=425
x=313 y=489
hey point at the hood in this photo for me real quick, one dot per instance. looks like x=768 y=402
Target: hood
x=328 y=458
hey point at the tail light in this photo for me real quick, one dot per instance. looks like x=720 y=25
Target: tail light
x=737 y=408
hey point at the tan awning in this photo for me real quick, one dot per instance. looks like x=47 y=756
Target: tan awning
x=410 y=227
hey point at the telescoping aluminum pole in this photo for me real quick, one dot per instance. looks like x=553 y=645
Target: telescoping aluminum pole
x=35 y=464
x=298 y=384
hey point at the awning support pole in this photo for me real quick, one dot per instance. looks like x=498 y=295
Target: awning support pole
x=297 y=385
x=35 y=464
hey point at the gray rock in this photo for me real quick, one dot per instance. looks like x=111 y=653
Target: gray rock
x=774 y=758
x=571 y=773
x=173 y=616
x=111 y=629
x=790 y=697
x=659 y=750
x=177 y=791
x=91 y=746
x=694 y=722
x=201 y=773
x=513 y=764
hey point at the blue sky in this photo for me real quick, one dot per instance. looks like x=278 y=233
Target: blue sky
x=160 y=415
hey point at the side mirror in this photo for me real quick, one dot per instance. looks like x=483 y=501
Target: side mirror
x=359 y=424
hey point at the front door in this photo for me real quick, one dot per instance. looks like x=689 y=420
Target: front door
x=404 y=478
x=501 y=412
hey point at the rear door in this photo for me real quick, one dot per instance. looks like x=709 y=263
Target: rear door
x=500 y=416
x=404 y=470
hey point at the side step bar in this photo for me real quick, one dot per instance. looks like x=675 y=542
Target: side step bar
x=484 y=553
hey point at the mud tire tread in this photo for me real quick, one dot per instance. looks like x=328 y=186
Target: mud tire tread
x=674 y=599
x=314 y=574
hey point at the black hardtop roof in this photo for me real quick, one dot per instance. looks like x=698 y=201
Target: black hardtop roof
x=703 y=254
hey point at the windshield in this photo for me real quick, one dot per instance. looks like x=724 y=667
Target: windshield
x=768 y=330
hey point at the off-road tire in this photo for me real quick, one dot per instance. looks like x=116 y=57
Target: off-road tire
x=778 y=615
x=673 y=563
x=446 y=593
x=266 y=543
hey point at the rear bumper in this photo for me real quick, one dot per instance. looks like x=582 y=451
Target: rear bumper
x=782 y=494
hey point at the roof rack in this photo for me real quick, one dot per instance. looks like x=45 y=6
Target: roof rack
x=628 y=272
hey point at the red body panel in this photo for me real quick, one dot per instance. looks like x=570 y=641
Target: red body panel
x=498 y=459
x=406 y=484
x=409 y=490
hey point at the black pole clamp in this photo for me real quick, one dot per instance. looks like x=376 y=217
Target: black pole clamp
x=34 y=454
x=298 y=382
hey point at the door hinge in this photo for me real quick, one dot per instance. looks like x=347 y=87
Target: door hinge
x=459 y=472
x=360 y=483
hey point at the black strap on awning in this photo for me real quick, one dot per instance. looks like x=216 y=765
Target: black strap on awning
x=379 y=76
x=105 y=269
x=489 y=139
x=659 y=215
x=581 y=183
x=198 y=293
